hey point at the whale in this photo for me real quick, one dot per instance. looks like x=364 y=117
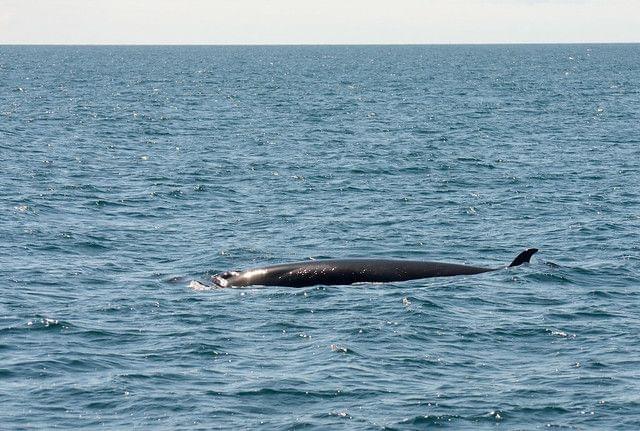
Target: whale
x=335 y=272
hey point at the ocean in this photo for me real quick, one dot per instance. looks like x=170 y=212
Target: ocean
x=131 y=174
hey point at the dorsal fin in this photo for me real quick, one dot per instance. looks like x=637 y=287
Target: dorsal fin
x=524 y=257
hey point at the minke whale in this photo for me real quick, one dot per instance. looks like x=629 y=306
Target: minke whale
x=349 y=271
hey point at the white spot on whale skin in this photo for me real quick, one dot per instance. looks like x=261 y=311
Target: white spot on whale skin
x=253 y=273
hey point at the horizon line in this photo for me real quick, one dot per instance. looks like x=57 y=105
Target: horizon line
x=319 y=44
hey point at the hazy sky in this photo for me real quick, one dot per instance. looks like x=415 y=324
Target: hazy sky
x=317 y=21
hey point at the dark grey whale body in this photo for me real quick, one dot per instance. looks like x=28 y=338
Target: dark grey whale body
x=349 y=271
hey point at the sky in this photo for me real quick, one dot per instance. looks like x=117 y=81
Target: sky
x=317 y=21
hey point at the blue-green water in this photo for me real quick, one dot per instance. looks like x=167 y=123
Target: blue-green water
x=128 y=172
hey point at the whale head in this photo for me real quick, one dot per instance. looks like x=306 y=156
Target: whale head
x=222 y=279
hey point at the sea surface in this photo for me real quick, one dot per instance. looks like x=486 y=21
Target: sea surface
x=130 y=175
